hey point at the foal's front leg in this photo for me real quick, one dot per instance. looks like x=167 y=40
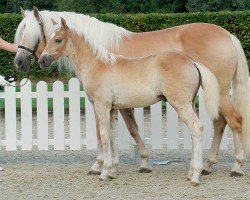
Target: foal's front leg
x=115 y=155
x=96 y=167
x=103 y=116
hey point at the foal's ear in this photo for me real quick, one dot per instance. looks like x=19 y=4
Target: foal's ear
x=64 y=24
x=22 y=12
x=36 y=13
x=54 y=22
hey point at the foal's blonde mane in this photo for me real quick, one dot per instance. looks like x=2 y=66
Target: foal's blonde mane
x=102 y=37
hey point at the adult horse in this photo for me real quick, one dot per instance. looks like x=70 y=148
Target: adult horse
x=115 y=82
x=208 y=44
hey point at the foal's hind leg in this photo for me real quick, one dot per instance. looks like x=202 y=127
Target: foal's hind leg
x=132 y=126
x=189 y=117
x=219 y=126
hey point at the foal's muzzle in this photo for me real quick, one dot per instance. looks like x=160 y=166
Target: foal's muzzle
x=45 y=61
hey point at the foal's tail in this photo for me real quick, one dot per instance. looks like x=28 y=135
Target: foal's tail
x=241 y=91
x=211 y=90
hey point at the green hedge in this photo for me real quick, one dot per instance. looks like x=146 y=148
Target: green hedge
x=235 y=22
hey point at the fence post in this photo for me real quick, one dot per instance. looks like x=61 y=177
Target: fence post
x=58 y=115
x=206 y=122
x=10 y=118
x=123 y=133
x=172 y=128
x=74 y=114
x=42 y=116
x=26 y=115
x=156 y=125
x=91 y=139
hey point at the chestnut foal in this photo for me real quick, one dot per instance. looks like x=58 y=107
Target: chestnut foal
x=115 y=82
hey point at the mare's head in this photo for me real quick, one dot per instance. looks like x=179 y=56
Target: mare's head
x=30 y=37
x=57 y=47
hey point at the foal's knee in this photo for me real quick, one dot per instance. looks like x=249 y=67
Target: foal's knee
x=196 y=128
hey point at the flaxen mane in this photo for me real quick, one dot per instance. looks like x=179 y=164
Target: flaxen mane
x=102 y=37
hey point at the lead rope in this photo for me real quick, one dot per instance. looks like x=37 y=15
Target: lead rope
x=13 y=78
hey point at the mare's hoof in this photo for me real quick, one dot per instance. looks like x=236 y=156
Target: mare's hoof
x=236 y=173
x=93 y=172
x=145 y=170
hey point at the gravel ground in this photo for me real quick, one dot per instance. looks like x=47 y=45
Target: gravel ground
x=35 y=175
x=63 y=175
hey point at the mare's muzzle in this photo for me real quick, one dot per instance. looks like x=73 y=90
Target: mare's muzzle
x=22 y=61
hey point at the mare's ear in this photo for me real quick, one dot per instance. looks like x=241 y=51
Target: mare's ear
x=54 y=22
x=64 y=24
x=36 y=13
x=22 y=12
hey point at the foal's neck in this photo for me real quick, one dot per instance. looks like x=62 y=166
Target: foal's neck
x=81 y=50
x=81 y=55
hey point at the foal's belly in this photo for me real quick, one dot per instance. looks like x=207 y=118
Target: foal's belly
x=134 y=99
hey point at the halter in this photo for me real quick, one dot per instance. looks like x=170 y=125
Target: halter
x=33 y=51
x=13 y=78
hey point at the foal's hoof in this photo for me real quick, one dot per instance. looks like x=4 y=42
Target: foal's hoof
x=194 y=183
x=145 y=170
x=206 y=171
x=236 y=173
x=103 y=178
x=94 y=172
x=189 y=177
x=112 y=174
x=1 y=169
x=111 y=177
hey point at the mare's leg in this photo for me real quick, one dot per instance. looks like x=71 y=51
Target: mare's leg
x=103 y=116
x=219 y=126
x=96 y=168
x=115 y=155
x=132 y=126
x=234 y=120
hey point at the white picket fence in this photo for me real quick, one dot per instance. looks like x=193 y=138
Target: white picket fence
x=175 y=136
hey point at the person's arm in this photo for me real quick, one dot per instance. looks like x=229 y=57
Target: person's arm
x=7 y=46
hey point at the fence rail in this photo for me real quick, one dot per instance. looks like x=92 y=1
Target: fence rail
x=12 y=137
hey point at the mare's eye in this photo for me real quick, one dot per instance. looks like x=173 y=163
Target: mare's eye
x=58 y=41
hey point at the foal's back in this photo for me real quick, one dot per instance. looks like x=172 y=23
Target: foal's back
x=143 y=81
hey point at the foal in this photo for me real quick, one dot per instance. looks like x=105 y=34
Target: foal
x=115 y=82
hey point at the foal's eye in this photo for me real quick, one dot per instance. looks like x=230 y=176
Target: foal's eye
x=58 y=41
